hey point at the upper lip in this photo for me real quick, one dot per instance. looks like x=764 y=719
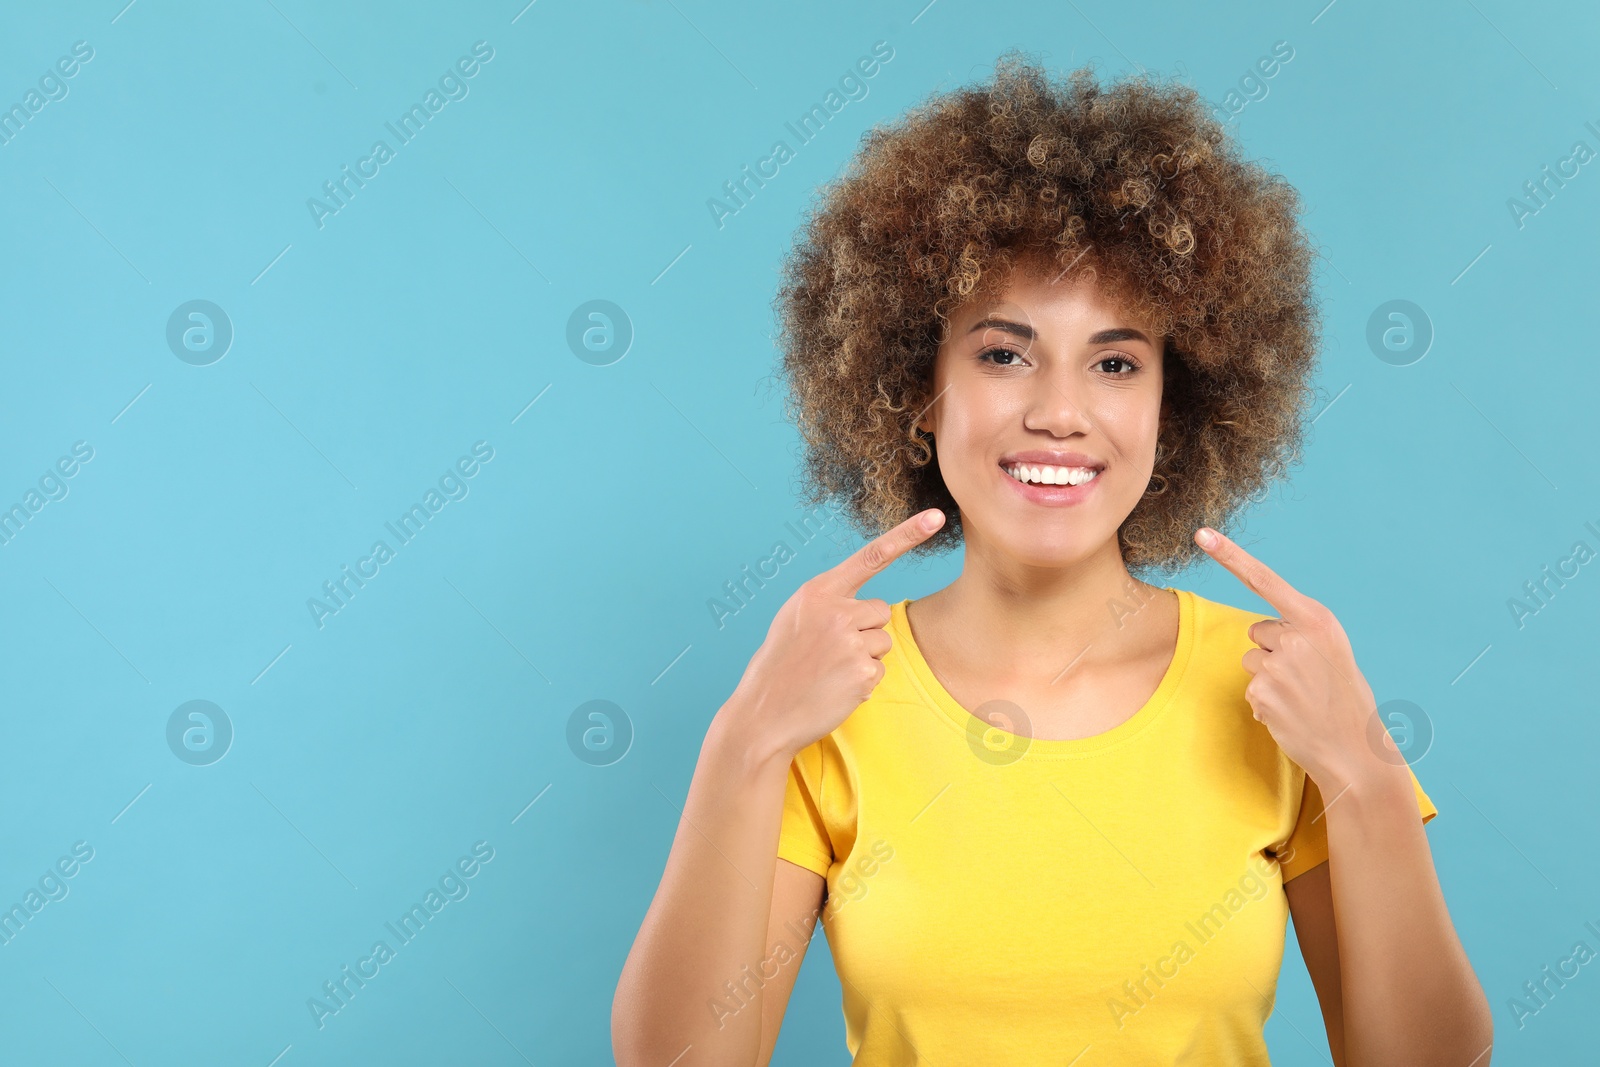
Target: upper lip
x=1041 y=458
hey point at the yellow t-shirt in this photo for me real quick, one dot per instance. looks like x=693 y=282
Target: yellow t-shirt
x=1003 y=900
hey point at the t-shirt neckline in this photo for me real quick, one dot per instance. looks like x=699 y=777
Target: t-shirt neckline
x=1052 y=748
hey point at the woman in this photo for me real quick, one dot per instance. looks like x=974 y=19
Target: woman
x=1050 y=813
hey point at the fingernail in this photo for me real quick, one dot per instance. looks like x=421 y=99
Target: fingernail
x=1207 y=538
x=930 y=520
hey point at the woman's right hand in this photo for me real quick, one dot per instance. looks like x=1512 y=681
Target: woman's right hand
x=821 y=658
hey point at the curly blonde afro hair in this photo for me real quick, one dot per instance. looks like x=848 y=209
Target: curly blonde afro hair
x=1135 y=183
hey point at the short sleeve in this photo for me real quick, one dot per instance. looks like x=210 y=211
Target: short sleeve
x=803 y=838
x=1307 y=845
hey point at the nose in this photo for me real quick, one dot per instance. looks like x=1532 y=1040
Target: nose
x=1056 y=404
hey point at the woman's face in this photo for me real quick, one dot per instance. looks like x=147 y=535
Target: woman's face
x=1054 y=376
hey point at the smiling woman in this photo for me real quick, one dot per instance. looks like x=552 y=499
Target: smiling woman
x=1133 y=188
x=1066 y=328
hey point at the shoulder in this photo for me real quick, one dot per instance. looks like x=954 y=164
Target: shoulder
x=1217 y=681
x=1219 y=640
x=1221 y=626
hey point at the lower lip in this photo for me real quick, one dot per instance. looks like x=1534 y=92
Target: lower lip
x=1052 y=495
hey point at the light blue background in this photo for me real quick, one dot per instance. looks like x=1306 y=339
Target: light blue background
x=432 y=311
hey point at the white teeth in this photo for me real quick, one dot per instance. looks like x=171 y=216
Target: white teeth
x=1052 y=475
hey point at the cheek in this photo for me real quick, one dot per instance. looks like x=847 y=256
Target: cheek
x=1133 y=423
x=974 y=423
x=972 y=418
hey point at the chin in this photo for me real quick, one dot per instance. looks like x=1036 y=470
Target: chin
x=1061 y=548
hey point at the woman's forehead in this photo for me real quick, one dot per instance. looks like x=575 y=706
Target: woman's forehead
x=1039 y=300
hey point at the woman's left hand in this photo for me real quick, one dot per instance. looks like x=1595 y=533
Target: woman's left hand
x=1306 y=687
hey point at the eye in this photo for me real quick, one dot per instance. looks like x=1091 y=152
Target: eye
x=982 y=357
x=1131 y=364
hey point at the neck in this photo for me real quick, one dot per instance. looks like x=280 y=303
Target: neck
x=1018 y=617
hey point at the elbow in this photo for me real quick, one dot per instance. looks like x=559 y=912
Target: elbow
x=625 y=1051
x=648 y=1030
x=628 y=1045
x=1477 y=1043
x=635 y=1046
x=639 y=1038
x=1483 y=1027
x=1481 y=1048
x=627 y=1048
x=1484 y=1043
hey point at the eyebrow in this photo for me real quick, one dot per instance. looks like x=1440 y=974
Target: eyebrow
x=1024 y=331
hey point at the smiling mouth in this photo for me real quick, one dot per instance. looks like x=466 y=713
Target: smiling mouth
x=1042 y=474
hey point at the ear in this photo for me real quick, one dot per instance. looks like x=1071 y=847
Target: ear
x=926 y=422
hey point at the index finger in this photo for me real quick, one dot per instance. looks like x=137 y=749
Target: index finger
x=846 y=577
x=1292 y=605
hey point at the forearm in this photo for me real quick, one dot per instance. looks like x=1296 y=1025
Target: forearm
x=1409 y=992
x=709 y=916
